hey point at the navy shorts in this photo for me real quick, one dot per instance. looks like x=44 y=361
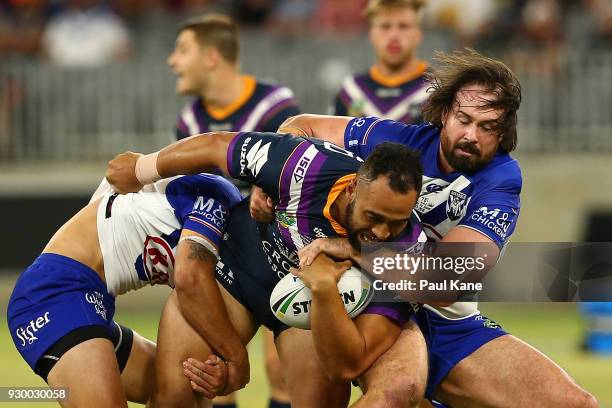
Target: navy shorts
x=450 y=341
x=52 y=298
x=243 y=268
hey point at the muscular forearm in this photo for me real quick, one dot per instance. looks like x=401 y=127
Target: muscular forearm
x=338 y=341
x=195 y=154
x=203 y=307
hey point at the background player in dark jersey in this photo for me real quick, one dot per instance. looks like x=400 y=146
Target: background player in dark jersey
x=395 y=86
x=470 y=194
x=206 y=62
x=320 y=190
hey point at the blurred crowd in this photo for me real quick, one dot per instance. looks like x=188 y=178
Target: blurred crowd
x=77 y=33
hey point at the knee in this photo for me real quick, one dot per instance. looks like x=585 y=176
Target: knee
x=401 y=392
x=168 y=396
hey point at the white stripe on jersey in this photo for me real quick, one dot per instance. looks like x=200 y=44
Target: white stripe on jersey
x=264 y=106
x=401 y=108
x=190 y=120
x=295 y=192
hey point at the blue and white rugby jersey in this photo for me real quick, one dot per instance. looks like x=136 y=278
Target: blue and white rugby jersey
x=303 y=177
x=373 y=94
x=139 y=232
x=486 y=201
x=262 y=107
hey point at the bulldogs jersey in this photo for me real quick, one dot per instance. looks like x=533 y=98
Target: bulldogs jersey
x=303 y=177
x=139 y=232
x=486 y=201
x=372 y=94
x=261 y=108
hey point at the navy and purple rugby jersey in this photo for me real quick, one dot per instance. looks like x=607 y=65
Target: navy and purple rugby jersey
x=486 y=201
x=262 y=107
x=373 y=94
x=303 y=177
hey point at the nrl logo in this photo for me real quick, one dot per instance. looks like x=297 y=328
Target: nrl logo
x=284 y=219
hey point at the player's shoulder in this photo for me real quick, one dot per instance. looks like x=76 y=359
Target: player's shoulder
x=264 y=87
x=204 y=184
x=502 y=172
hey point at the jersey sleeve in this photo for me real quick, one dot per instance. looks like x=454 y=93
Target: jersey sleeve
x=397 y=312
x=363 y=134
x=259 y=158
x=203 y=202
x=494 y=214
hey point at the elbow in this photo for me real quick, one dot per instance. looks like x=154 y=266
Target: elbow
x=185 y=283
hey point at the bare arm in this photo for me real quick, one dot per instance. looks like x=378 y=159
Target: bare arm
x=192 y=155
x=203 y=307
x=324 y=127
x=346 y=347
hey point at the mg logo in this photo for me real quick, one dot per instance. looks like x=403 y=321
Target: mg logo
x=158 y=260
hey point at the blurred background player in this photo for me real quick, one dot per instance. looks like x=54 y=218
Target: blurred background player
x=205 y=60
x=395 y=86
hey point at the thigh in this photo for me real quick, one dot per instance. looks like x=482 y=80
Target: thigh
x=138 y=372
x=507 y=372
x=177 y=341
x=308 y=385
x=274 y=368
x=96 y=358
x=398 y=378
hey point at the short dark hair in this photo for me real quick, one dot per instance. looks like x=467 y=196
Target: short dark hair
x=469 y=67
x=216 y=30
x=397 y=162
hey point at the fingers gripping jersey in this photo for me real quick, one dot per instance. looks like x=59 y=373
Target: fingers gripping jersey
x=139 y=232
x=303 y=177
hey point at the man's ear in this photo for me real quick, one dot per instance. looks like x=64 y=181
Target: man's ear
x=351 y=188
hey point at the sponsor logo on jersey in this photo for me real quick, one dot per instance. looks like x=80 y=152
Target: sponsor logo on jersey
x=388 y=92
x=456 y=205
x=432 y=188
x=27 y=333
x=224 y=273
x=284 y=219
x=300 y=170
x=493 y=219
x=211 y=210
x=97 y=299
x=158 y=260
x=257 y=157
x=221 y=127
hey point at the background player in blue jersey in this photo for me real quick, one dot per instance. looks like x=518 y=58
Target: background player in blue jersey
x=320 y=190
x=60 y=313
x=206 y=62
x=470 y=193
x=395 y=86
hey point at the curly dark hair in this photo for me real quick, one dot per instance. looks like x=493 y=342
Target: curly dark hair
x=470 y=67
x=397 y=162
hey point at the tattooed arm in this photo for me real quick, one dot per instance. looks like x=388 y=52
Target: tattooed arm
x=201 y=302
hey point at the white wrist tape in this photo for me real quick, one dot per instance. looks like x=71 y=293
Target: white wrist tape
x=146 y=169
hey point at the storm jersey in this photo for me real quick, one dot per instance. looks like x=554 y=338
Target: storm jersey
x=262 y=107
x=486 y=201
x=303 y=177
x=372 y=94
x=139 y=232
